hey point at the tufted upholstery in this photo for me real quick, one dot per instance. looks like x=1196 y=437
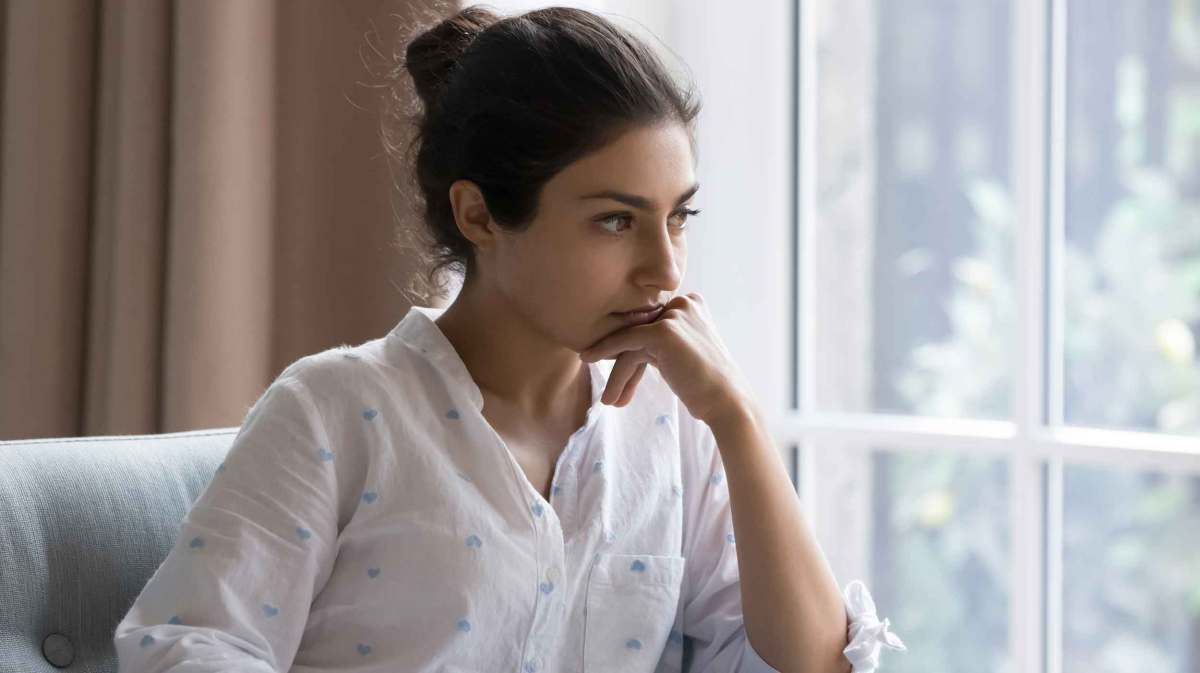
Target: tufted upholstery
x=84 y=523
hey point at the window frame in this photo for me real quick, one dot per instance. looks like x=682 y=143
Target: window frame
x=1036 y=442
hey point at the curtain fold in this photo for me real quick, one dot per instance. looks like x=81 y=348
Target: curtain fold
x=192 y=195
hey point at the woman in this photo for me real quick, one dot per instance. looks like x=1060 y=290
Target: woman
x=505 y=484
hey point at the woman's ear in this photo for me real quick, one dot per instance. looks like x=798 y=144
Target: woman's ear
x=471 y=213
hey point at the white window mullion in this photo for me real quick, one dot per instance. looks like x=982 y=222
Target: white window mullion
x=804 y=231
x=1054 y=576
x=1122 y=449
x=1112 y=449
x=1028 y=160
x=806 y=181
x=1056 y=145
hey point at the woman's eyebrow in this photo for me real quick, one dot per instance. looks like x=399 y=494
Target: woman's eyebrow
x=638 y=201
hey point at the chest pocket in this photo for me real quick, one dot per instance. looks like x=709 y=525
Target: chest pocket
x=630 y=609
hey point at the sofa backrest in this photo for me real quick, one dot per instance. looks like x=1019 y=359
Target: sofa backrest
x=84 y=523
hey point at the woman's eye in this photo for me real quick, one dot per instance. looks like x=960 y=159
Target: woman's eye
x=614 y=218
x=685 y=213
x=682 y=215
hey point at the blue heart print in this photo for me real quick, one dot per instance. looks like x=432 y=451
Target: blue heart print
x=638 y=566
x=464 y=625
x=324 y=454
x=146 y=640
x=269 y=610
x=555 y=491
x=633 y=644
x=373 y=572
x=196 y=543
x=303 y=532
x=370 y=414
x=369 y=497
x=538 y=509
x=546 y=587
x=729 y=536
x=662 y=419
x=474 y=541
x=175 y=620
x=716 y=478
x=364 y=649
x=463 y=475
x=453 y=413
x=597 y=466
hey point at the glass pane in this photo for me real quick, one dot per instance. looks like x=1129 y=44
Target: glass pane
x=914 y=308
x=1131 y=572
x=1132 y=248
x=928 y=532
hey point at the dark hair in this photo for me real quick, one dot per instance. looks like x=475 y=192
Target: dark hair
x=507 y=103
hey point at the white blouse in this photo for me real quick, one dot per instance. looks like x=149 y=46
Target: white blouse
x=367 y=518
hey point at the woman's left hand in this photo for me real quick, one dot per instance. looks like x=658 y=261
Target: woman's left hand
x=683 y=345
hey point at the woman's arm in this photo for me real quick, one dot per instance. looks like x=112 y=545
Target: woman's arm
x=794 y=615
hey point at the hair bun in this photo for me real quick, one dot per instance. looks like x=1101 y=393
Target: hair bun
x=432 y=56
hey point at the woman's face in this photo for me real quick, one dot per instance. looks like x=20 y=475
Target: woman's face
x=609 y=235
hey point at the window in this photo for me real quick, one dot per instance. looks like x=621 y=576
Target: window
x=997 y=381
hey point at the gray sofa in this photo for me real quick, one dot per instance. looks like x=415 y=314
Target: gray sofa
x=84 y=523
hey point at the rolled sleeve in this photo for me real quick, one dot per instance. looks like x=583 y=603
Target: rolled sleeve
x=256 y=547
x=867 y=635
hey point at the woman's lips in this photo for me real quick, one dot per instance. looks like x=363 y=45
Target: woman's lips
x=639 y=317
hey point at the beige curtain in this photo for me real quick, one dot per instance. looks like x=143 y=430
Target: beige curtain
x=192 y=195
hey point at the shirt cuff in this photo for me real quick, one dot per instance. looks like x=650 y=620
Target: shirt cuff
x=867 y=633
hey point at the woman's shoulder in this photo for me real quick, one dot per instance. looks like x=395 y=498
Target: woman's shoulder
x=335 y=370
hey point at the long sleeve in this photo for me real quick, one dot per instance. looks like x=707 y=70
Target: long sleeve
x=713 y=624
x=253 y=551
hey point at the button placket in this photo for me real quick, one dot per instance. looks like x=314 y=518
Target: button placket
x=550 y=556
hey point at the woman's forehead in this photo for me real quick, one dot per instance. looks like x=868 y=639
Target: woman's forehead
x=655 y=164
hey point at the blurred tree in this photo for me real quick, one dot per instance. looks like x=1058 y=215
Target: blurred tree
x=1131 y=296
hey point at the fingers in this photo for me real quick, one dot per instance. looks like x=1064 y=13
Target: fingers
x=636 y=337
x=623 y=370
x=627 y=394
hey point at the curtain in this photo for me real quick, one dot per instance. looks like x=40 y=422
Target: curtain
x=193 y=195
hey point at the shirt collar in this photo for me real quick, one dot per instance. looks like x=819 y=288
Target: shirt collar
x=419 y=330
